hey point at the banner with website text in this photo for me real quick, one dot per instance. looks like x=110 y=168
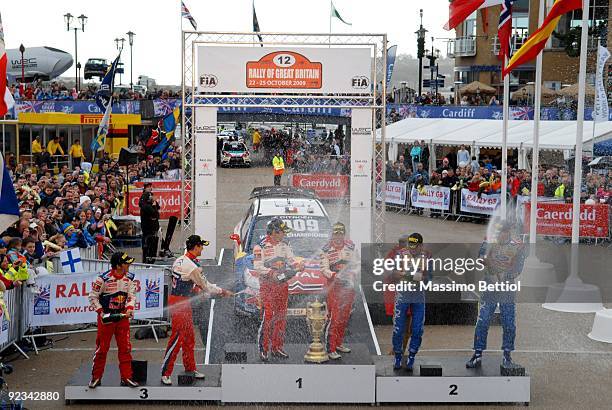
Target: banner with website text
x=431 y=197
x=555 y=219
x=63 y=298
x=476 y=203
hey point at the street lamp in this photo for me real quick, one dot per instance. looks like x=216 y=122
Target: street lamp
x=22 y=50
x=131 y=35
x=68 y=18
x=420 y=50
x=120 y=48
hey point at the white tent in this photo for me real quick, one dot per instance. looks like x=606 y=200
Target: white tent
x=554 y=135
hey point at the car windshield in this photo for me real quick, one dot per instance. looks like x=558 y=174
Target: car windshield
x=234 y=146
x=96 y=61
x=308 y=233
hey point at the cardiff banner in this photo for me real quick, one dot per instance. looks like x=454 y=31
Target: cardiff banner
x=479 y=204
x=324 y=185
x=555 y=219
x=169 y=201
x=270 y=69
x=63 y=298
x=431 y=197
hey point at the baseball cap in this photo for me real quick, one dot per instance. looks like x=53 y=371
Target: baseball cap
x=120 y=258
x=195 y=240
x=415 y=239
x=277 y=225
x=339 y=228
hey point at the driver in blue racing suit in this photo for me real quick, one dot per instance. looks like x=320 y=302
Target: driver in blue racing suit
x=504 y=259
x=407 y=302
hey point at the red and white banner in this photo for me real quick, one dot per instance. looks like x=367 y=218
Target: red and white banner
x=325 y=186
x=159 y=183
x=555 y=219
x=483 y=204
x=63 y=298
x=169 y=201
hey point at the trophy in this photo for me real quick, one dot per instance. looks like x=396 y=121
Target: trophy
x=316 y=315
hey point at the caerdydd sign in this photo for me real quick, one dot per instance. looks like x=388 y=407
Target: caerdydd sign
x=271 y=69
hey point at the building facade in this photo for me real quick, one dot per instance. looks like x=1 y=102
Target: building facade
x=476 y=45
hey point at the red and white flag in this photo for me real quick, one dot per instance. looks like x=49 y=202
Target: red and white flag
x=6 y=99
x=459 y=10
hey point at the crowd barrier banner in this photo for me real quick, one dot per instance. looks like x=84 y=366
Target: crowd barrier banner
x=522 y=200
x=11 y=320
x=63 y=298
x=4 y=333
x=431 y=197
x=324 y=185
x=485 y=204
x=169 y=201
x=555 y=219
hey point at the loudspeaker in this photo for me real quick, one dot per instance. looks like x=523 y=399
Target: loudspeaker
x=431 y=370
x=185 y=379
x=235 y=357
x=127 y=157
x=139 y=371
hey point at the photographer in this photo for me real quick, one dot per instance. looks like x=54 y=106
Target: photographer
x=149 y=218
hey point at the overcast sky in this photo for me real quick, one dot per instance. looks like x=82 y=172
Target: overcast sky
x=157 y=24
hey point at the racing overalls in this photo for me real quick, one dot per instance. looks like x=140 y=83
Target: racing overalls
x=340 y=265
x=410 y=303
x=273 y=293
x=187 y=281
x=505 y=262
x=113 y=292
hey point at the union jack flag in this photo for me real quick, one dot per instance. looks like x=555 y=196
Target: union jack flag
x=521 y=113
x=28 y=106
x=186 y=14
x=504 y=32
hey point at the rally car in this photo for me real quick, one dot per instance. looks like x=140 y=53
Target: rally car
x=235 y=153
x=310 y=227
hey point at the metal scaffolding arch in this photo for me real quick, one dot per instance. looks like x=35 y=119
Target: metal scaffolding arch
x=374 y=100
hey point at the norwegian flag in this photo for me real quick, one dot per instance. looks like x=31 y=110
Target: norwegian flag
x=6 y=98
x=504 y=30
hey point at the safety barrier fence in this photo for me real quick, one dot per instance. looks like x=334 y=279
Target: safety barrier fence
x=58 y=303
x=554 y=216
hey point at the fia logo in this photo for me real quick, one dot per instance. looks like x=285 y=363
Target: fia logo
x=208 y=80
x=360 y=82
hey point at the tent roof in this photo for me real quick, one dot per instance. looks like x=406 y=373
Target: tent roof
x=559 y=135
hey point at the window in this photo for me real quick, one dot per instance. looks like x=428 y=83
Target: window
x=469 y=26
x=598 y=22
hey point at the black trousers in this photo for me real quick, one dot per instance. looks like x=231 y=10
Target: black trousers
x=149 y=248
x=277 y=179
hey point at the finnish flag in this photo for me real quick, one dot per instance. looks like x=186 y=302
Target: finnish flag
x=71 y=261
x=9 y=206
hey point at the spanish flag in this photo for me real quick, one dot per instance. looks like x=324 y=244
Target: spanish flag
x=537 y=41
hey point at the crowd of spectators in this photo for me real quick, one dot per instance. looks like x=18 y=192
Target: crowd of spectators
x=58 y=91
x=463 y=170
x=65 y=207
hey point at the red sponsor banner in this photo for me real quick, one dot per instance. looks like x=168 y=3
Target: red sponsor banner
x=160 y=184
x=284 y=69
x=325 y=186
x=555 y=219
x=169 y=201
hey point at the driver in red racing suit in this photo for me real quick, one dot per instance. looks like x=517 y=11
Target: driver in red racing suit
x=340 y=264
x=113 y=293
x=273 y=287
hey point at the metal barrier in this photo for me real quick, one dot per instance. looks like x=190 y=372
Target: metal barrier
x=13 y=301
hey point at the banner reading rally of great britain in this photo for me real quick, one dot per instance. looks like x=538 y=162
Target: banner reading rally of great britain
x=63 y=298
x=292 y=69
x=483 y=204
x=431 y=197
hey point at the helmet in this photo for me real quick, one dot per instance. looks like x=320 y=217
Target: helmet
x=277 y=225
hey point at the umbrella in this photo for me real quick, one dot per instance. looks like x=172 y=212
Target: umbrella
x=572 y=91
x=476 y=87
x=529 y=90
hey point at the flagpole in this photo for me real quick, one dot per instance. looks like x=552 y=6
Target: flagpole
x=579 y=125
x=504 y=166
x=330 y=19
x=536 y=140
